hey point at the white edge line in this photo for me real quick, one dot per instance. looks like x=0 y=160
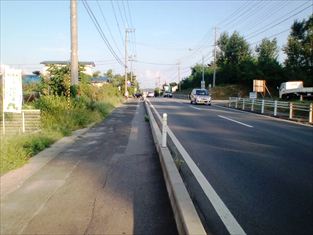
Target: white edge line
x=232 y=120
x=223 y=212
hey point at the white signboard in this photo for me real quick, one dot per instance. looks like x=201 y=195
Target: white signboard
x=253 y=95
x=259 y=85
x=13 y=92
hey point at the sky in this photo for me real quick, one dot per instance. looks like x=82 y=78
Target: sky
x=167 y=36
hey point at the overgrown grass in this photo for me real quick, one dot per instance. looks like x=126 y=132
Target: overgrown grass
x=16 y=150
x=59 y=117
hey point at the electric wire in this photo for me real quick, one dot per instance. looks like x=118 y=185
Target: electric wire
x=108 y=27
x=100 y=31
x=270 y=26
x=117 y=23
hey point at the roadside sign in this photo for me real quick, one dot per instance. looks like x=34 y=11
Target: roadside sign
x=12 y=91
x=253 y=95
x=259 y=85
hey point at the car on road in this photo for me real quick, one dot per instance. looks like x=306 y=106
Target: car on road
x=150 y=94
x=167 y=94
x=138 y=95
x=200 y=96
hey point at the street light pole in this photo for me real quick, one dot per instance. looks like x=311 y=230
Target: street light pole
x=214 y=63
x=179 y=85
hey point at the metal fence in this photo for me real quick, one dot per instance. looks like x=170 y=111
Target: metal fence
x=16 y=123
x=290 y=110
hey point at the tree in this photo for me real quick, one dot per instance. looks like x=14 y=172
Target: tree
x=268 y=67
x=96 y=74
x=57 y=81
x=299 y=51
x=267 y=51
x=233 y=49
x=233 y=59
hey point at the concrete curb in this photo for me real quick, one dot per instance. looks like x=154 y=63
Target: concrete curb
x=14 y=179
x=186 y=216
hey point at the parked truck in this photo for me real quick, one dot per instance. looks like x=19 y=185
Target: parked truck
x=295 y=88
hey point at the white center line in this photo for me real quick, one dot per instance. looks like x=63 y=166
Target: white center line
x=232 y=120
x=195 y=108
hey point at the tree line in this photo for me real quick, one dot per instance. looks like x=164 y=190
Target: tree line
x=238 y=63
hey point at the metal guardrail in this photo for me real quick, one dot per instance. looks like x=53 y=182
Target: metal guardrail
x=290 y=110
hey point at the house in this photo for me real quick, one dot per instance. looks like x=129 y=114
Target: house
x=88 y=65
x=99 y=81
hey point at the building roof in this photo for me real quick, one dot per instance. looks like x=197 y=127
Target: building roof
x=48 y=62
x=101 y=79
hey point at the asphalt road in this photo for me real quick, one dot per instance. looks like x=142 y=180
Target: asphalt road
x=108 y=181
x=261 y=168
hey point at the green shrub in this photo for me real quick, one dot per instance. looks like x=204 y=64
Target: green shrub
x=59 y=117
x=16 y=150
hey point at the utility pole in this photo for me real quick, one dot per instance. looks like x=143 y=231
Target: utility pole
x=214 y=62
x=131 y=59
x=126 y=59
x=179 y=85
x=74 y=44
x=126 y=91
x=202 y=82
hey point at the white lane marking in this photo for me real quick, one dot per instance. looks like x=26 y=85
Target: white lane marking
x=195 y=108
x=230 y=222
x=232 y=120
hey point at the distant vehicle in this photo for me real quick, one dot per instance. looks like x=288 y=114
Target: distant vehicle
x=200 y=96
x=294 y=88
x=138 y=95
x=150 y=94
x=167 y=94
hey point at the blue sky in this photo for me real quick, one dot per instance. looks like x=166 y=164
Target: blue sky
x=167 y=32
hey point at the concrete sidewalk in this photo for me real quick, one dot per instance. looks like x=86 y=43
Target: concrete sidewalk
x=107 y=181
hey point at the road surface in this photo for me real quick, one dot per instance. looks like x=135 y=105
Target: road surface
x=261 y=168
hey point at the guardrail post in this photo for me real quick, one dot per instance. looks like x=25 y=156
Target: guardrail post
x=311 y=113
x=252 y=105
x=262 y=108
x=229 y=102
x=236 y=105
x=290 y=110
x=275 y=108
x=243 y=104
x=164 y=127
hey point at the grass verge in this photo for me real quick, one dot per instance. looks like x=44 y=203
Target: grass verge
x=59 y=118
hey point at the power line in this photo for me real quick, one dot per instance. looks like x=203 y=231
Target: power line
x=130 y=15
x=100 y=31
x=117 y=23
x=248 y=10
x=229 y=18
x=270 y=11
x=153 y=63
x=108 y=27
x=274 y=35
x=269 y=26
